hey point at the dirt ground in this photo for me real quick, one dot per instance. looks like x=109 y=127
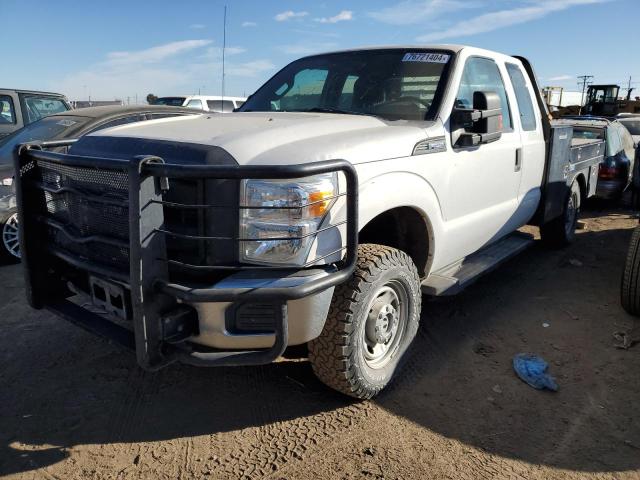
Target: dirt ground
x=74 y=406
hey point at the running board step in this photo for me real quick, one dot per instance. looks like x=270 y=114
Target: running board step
x=453 y=279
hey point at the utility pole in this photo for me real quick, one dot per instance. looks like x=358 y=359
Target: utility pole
x=629 y=89
x=224 y=47
x=585 y=79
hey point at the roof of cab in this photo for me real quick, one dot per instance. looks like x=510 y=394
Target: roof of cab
x=36 y=92
x=451 y=47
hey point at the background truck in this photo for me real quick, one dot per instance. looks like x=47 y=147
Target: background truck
x=22 y=107
x=346 y=187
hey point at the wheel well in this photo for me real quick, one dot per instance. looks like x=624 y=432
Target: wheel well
x=403 y=228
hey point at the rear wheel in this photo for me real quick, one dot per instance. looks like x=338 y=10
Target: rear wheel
x=10 y=236
x=372 y=320
x=561 y=231
x=629 y=288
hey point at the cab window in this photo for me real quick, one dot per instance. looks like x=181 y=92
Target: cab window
x=7 y=114
x=523 y=97
x=482 y=74
x=39 y=107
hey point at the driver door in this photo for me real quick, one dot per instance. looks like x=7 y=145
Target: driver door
x=484 y=180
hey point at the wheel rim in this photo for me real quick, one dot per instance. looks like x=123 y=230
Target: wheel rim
x=570 y=219
x=385 y=324
x=10 y=236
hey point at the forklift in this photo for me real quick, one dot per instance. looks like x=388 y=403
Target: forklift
x=602 y=101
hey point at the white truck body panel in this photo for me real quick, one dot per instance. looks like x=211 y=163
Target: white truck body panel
x=470 y=196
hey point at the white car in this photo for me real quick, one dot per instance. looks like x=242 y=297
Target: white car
x=344 y=189
x=207 y=103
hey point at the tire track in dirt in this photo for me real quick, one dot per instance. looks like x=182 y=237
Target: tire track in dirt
x=276 y=443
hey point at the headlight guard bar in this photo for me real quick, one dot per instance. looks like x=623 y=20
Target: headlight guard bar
x=152 y=291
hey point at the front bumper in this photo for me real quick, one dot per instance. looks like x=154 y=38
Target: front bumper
x=171 y=321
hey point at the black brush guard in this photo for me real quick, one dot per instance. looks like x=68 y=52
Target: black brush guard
x=152 y=293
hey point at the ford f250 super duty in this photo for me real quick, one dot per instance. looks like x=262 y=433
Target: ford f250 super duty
x=346 y=187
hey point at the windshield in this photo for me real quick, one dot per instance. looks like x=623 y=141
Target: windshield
x=632 y=125
x=50 y=128
x=171 y=101
x=393 y=84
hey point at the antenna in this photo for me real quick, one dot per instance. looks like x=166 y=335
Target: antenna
x=224 y=47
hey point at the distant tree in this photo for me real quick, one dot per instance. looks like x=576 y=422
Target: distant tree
x=151 y=98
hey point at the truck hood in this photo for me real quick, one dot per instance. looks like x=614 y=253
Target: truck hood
x=285 y=137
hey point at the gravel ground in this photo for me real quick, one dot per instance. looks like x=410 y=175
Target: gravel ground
x=74 y=406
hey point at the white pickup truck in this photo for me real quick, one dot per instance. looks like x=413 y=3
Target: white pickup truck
x=346 y=187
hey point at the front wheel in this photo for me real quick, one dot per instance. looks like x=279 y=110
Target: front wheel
x=561 y=231
x=10 y=236
x=372 y=320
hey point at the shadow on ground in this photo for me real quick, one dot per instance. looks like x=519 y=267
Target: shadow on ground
x=61 y=387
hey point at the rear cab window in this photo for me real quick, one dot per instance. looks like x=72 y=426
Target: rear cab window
x=523 y=97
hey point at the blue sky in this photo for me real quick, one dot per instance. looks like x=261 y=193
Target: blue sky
x=121 y=49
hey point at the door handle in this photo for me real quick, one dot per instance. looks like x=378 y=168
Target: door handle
x=518 y=164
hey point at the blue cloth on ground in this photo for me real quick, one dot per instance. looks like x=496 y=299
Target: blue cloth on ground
x=532 y=370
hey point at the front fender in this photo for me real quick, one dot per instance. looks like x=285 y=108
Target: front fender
x=382 y=192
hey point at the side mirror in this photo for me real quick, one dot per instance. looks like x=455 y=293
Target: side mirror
x=482 y=123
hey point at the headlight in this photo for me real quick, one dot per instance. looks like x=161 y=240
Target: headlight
x=288 y=211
